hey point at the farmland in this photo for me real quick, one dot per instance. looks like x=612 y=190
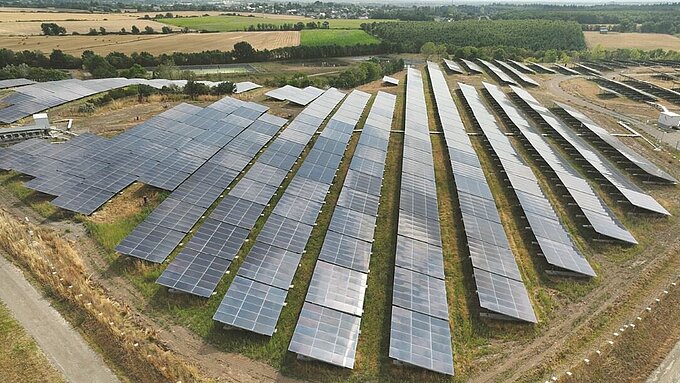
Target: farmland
x=336 y=37
x=154 y=44
x=633 y=40
x=239 y=23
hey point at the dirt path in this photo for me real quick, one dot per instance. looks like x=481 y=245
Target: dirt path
x=64 y=347
x=669 y=370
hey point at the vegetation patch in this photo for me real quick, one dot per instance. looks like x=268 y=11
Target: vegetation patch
x=242 y=23
x=341 y=37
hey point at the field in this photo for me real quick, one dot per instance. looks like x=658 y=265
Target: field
x=154 y=44
x=239 y=23
x=646 y=41
x=16 y=21
x=336 y=37
x=20 y=358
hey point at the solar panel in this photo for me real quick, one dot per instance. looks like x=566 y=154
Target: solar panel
x=327 y=335
x=338 y=288
x=218 y=239
x=177 y=215
x=285 y=233
x=150 y=242
x=419 y=227
x=238 y=212
x=83 y=199
x=270 y=265
x=419 y=256
x=251 y=306
x=346 y=251
x=254 y=191
x=194 y=272
x=503 y=295
x=453 y=66
x=298 y=208
x=363 y=182
x=359 y=201
x=421 y=340
x=497 y=73
x=419 y=292
x=353 y=224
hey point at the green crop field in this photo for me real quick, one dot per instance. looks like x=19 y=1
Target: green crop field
x=341 y=37
x=240 y=23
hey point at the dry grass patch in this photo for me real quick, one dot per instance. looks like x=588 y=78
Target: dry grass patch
x=646 y=41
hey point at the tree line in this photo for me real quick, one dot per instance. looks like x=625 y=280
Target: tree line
x=529 y=34
x=352 y=77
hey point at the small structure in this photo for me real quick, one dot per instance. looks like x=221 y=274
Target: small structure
x=41 y=120
x=604 y=30
x=669 y=120
x=390 y=80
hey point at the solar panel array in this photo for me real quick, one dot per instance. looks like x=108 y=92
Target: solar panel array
x=489 y=248
x=85 y=172
x=15 y=82
x=290 y=225
x=543 y=69
x=523 y=78
x=552 y=237
x=419 y=333
x=453 y=66
x=599 y=217
x=612 y=145
x=390 y=80
x=328 y=328
x=587 y=70
x=227 y=227
x=497 y=73
x=187 y=204
x=628 y=90
x=245 y=86
x=657 y=90
x=631 y=192
x=472 y=66
x=295 y=95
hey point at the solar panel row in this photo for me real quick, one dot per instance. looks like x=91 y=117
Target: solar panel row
x=472 y=66
x=552 y=237
x=453 y=66
x=497 y=73
x=235 y=216
x=187 y=205
x=290 y=225
x=512 y=71
x=419 y=331
x=328 y=328
x=643 y=167
x=637 y=197
x=15 y=82
x=295 y=95
x=522 y=67
x=599 y=217
x=490 y=250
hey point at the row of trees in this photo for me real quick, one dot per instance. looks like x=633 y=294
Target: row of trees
x=32 y=73
x=53 y=29
x=288 y=26
x=363 y=73
x=528 y=34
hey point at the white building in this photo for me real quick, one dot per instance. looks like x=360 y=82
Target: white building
x=669 y=120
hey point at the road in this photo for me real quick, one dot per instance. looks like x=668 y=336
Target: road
x=671 y=138
x=669 y=370
x=63 y=346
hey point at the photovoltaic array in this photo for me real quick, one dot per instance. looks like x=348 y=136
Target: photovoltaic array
x=582 y=150
x=290 y=225
x=522 y=67
x=419 y=330
x=472 y=67
x=328 y=327
x=608 y=144
x=295 y=95
x=552 y=237
x=500 y=288
x=598 y=216
x=186 y=205
x=227 y=228
x=453 y=66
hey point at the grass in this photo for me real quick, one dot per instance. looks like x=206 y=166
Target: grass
x=20 y=358
x=341 y=37
x=241 y=23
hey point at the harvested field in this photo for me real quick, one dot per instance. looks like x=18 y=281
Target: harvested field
x=19 y=21
x=154 y=44
x=646 y=41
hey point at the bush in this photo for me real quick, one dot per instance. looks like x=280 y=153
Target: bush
x=87 y=107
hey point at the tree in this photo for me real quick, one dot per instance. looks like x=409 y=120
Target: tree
x=102 y=30
x=430 y=49
x=165 y=30
x=244 y=52
x=52 y=29
x=61 y=60
x=225 y=87
x=148 y=30
x=123 y=31
x=194 y=89
x=98 y=66
x=144 y=91
x=135 y=71
x=135 y=30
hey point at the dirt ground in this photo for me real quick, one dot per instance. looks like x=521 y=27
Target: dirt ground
x=154 y=44
x=645 y=41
